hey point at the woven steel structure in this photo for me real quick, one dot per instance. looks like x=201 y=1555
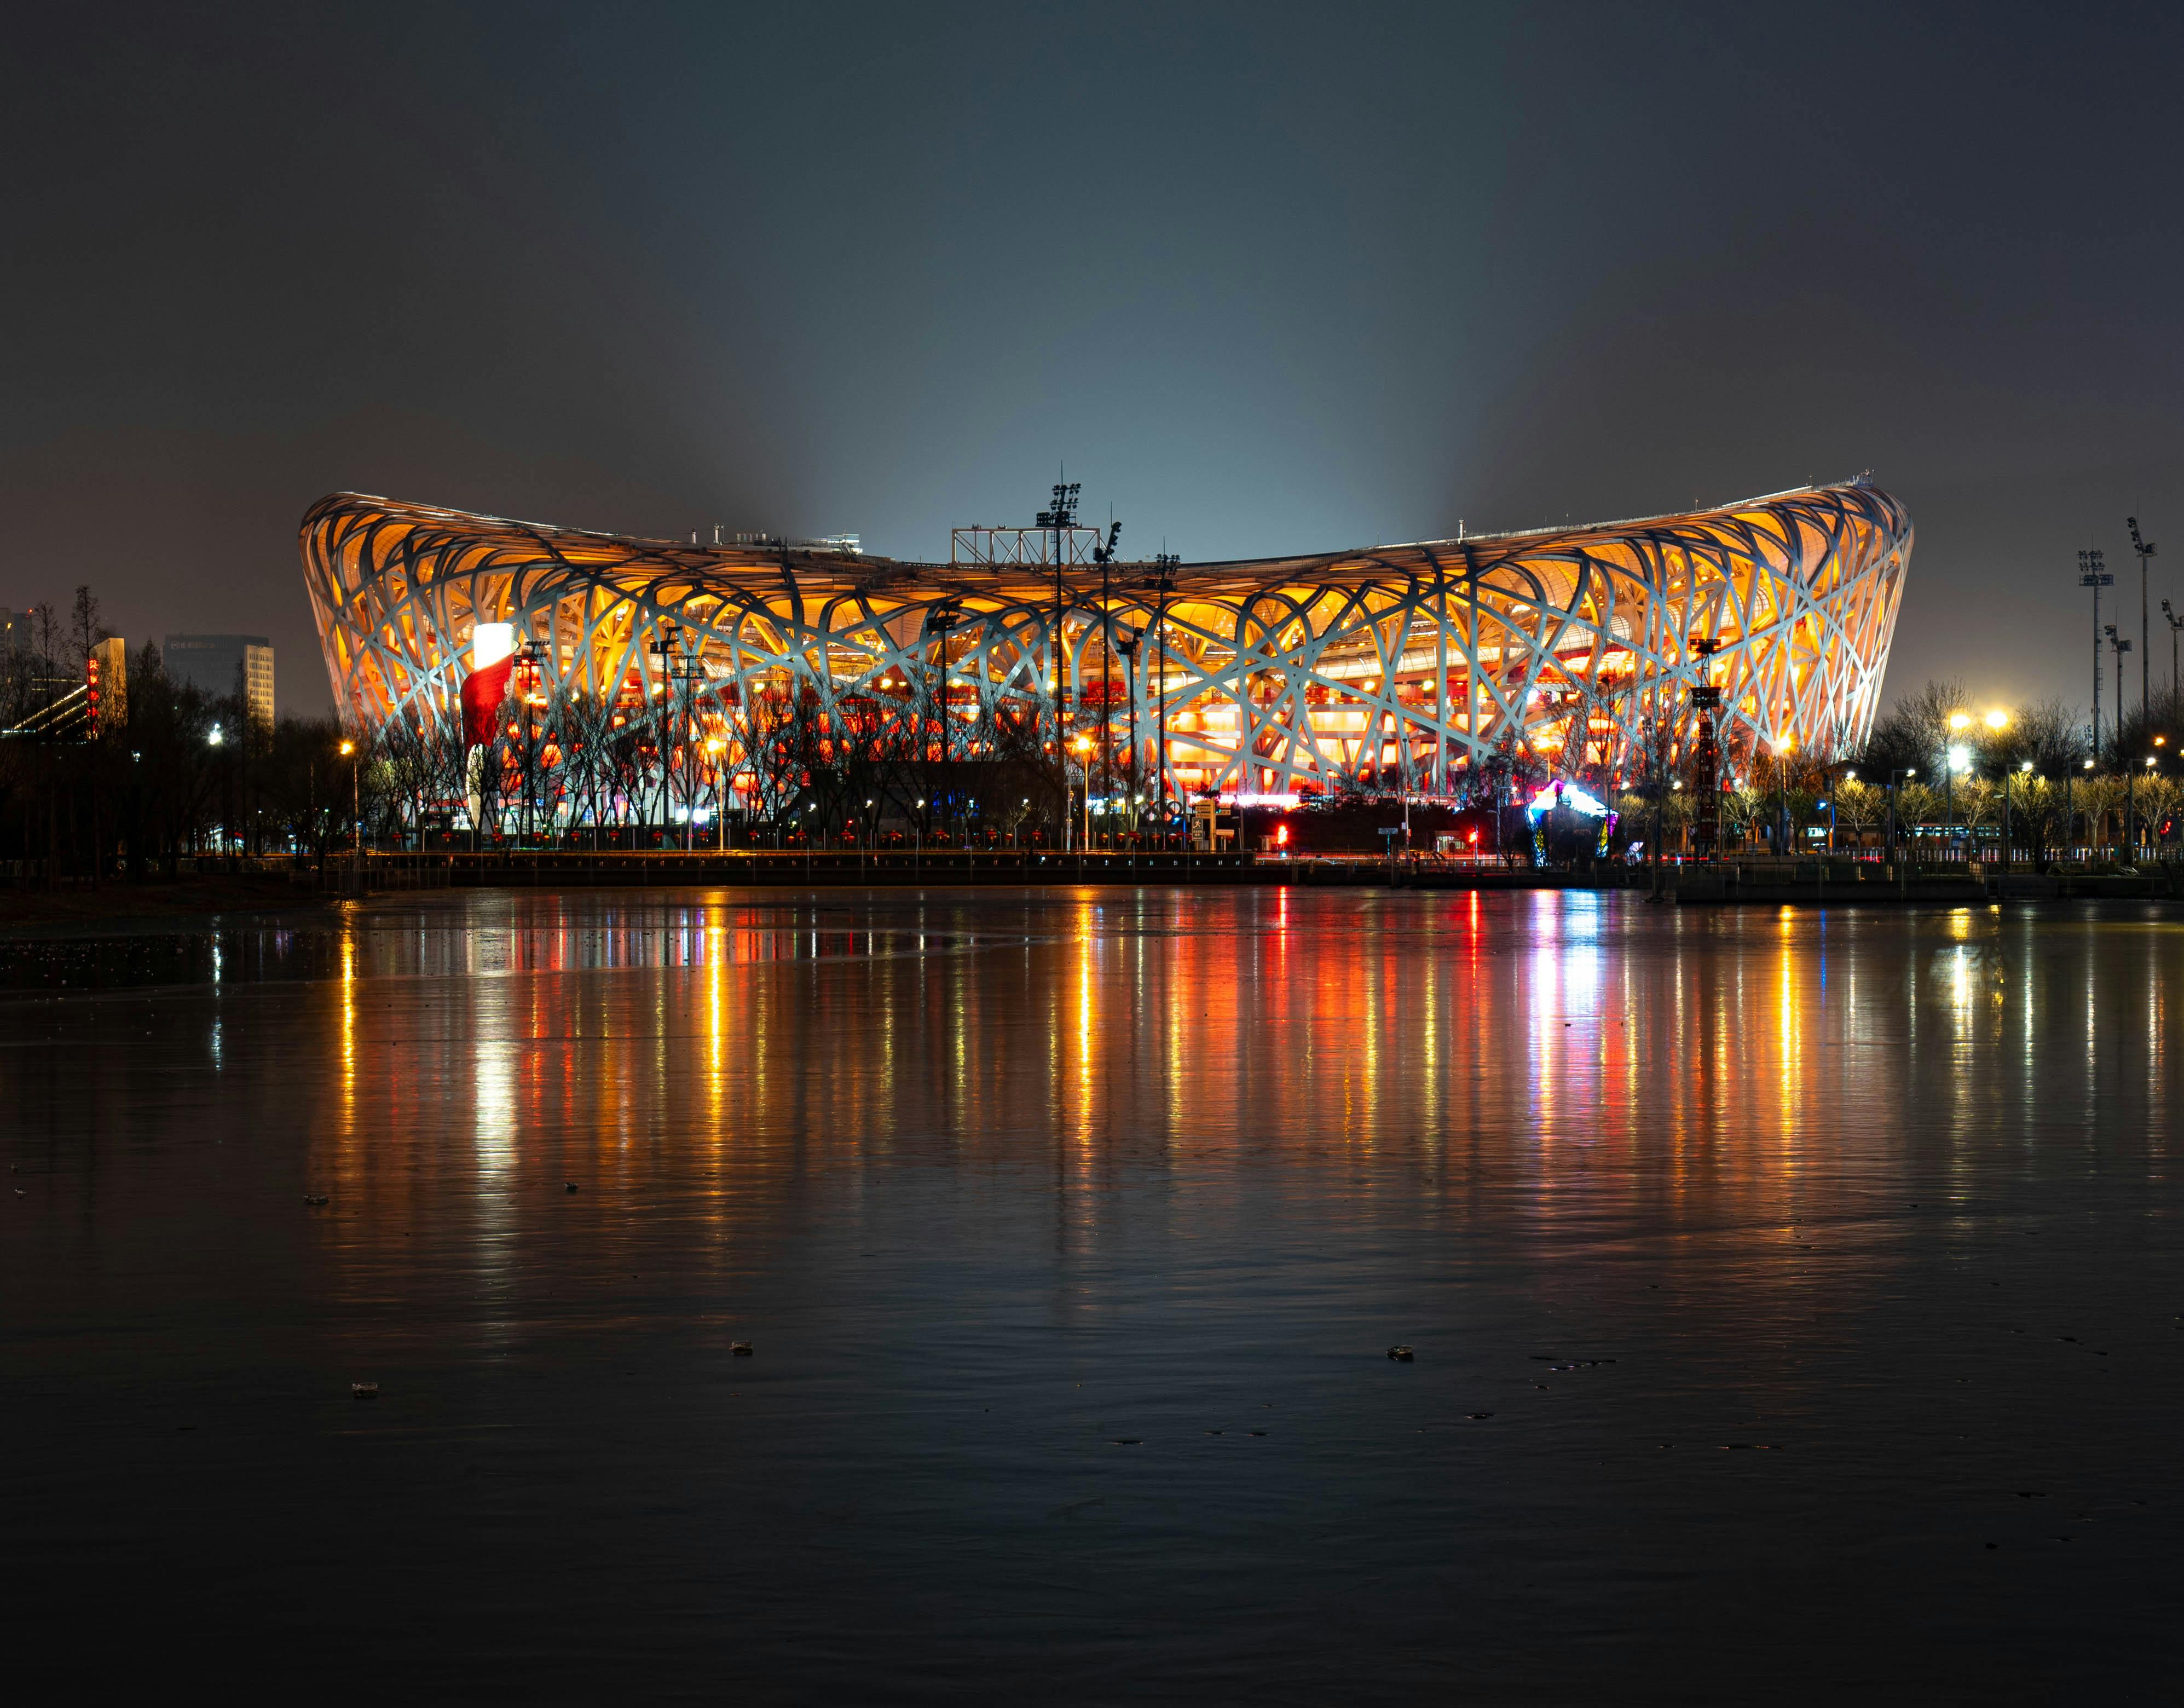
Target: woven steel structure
x=1393 y=668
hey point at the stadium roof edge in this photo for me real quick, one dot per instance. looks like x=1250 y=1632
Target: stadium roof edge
x=872 y=561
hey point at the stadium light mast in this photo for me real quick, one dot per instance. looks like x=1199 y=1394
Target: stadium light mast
x=1164 y=568
x=943 y=617
x=1060 y=520
x=2175 y=624
x=2121 y=643
x=1706 y=752
x=1104 y=554
x=2144 y=548
x=2091 y=574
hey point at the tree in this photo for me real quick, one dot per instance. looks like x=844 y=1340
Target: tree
x=85 y=629
x=1914 y=733
x=1860 y=805
x=2046 y=733
x=2157 y=730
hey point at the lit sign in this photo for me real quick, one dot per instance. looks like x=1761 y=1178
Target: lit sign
x=1566 y=795
x=490 y=643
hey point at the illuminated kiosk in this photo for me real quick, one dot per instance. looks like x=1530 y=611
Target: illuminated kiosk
x=654 y=680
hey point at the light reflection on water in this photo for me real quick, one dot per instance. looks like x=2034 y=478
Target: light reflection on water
x=999 y=1181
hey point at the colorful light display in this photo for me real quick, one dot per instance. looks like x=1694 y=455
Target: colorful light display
x=1392 y=668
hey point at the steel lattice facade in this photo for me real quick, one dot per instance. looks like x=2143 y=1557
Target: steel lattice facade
x=1397 y=667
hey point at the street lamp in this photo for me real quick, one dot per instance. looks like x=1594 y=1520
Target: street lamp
x=2068 y=780
x=716 y=746
x=2131 y=821
x=1997 y=721
x=1782 y=796
x=1083 y=746
x=355 y=797
x=1888 y=850
x=2022 y=769
x=1959 y=758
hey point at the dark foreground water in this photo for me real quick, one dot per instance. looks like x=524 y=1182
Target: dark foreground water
x=1796 y=1299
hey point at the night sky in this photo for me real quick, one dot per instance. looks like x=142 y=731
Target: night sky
x=1268 y=279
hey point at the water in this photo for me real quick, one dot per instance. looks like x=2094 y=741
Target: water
x=1796 y=1298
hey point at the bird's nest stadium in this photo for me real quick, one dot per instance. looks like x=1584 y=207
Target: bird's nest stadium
x=620 y=676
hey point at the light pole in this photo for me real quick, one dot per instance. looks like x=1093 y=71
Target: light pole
x=680 y=666
x=2131 y=824
x=2091 y=574
x=355 y=798
x=715 y=746
x=355 y=806
x=2175 y=627
x=1164 y=568
x=1127 y=644
x=1955 y=760
x=1105 y=556
x=2144 y=548
x=1907 y=771
x=1996 y=722
x=1083 y=746
x=943 y=617
x=1060 y=522
x=2026 y=767
x=2069 y=824
x=2121 y=643
x=1782 y=798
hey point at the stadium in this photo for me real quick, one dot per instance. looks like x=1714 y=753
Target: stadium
x=617 y=680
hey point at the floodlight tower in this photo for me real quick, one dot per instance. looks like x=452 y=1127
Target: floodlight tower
x=2175 y=624
x=2120 y=643
x=2144 y=548
x=1059 y=521
x=1105 y=556
x=1164 y=568
x=2091 y=574
x=1705 y=754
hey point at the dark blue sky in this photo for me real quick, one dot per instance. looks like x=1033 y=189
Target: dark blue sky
x=1269 y=278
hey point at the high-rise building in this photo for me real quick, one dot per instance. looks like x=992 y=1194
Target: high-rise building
x=113 y=656
x=223 y=665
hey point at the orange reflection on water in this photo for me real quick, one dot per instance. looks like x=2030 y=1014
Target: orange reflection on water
x=1580 y=1061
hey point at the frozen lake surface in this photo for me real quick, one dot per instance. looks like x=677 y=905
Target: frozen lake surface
x=1796 y=1298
